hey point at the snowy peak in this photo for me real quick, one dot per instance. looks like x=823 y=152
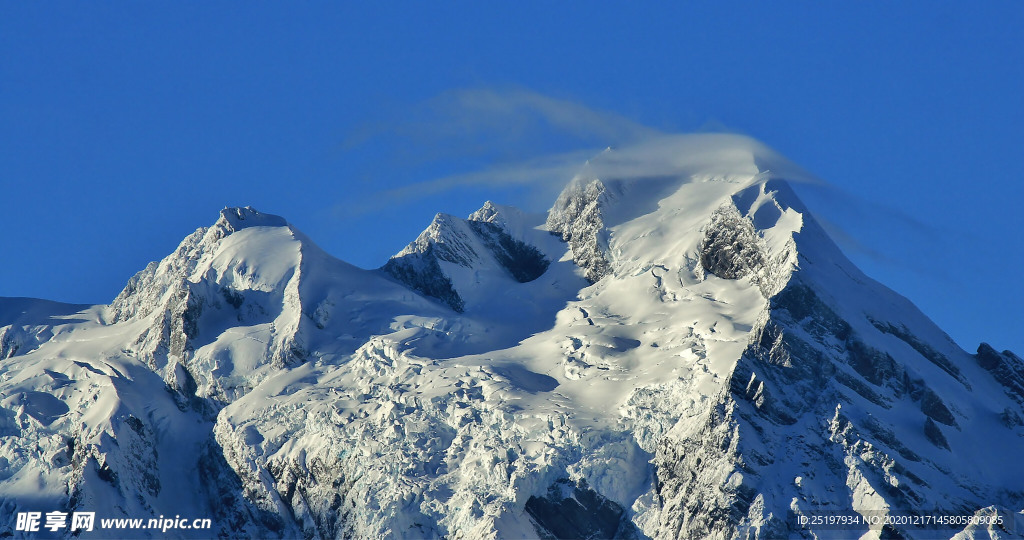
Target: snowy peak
x=818 y=337
x=233 y=219
x=418 y=265
x=508 y=218
x=671 y=176
x=242 y=270
x=492 y=213
x=453 y=257
x=145 y=290
x=450 y=239
x=732 y=226
x=243 y=298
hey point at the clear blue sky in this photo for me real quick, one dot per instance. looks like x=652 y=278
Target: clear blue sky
x=125 y=126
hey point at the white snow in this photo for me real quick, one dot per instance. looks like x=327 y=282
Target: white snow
x=324 y=381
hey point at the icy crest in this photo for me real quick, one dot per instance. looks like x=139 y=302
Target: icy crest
x=491 y=213
x=146 y=290
x=493 y=246
x=234 y=219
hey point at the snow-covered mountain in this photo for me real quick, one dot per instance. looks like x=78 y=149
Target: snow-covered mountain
x=670 y=356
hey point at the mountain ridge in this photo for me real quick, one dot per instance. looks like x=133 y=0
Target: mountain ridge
x=667 y=357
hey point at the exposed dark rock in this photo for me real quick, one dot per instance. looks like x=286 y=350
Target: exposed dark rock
x=576 y=511
x=878 y=464
x=933 y=406
x=747 y=385
x=10 y=343
x=934 y=434
x=577 y=217
x=107 y=474
x=874 y=365
x=933 y=356
x=426 y=278
x=135 y=424
x=693 y=480
x=523 y=261
x=465 y=243
x=988 y=358
x=232 y=512
x=177 y=325
x=889 y=532
x=730 y=248
x=783 y=361
x=806 y=308
x=193 y=309
x=234 y=298
x=1006 y=367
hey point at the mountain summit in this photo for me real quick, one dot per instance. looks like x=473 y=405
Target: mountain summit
x=678 y=353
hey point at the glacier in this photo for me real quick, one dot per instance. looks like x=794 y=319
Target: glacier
x=684 y=355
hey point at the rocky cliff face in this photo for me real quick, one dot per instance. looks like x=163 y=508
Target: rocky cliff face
x=577 y=217
x=481 y=244
x=684 y=357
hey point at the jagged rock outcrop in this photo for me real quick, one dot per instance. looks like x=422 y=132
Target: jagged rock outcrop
x=577 y=217
x=730 y=248
x=450 y=247
x=571 y=510
x=1006 y=367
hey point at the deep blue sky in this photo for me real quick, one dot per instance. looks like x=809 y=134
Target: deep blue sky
x=125 y=126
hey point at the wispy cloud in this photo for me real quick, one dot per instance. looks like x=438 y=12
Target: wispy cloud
x=507 y=115
x=510 y=133
x=486 y=109
x=540 y=170
x=656 y=156
x=517 y=137
x=524 y=138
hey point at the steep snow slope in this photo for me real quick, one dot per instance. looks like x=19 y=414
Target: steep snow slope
x=27 y=322
x=683 y=355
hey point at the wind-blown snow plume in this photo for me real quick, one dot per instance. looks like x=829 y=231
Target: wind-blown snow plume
x=525 y=142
